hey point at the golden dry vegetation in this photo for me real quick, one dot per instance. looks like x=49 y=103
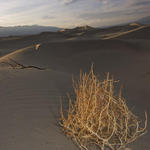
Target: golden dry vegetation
x=98 y=118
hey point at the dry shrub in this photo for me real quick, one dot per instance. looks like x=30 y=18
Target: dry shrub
x=97 y=119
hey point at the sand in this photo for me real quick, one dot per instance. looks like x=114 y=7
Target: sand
x=30 y=98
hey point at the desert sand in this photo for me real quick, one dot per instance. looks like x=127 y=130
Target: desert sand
x=30 y=98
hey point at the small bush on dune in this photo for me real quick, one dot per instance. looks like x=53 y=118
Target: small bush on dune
x=99 y=119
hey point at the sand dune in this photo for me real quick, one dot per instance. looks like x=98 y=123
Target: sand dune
x=115 y=35
x=29 y=103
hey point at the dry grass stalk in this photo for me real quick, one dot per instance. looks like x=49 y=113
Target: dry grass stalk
x=98 y=118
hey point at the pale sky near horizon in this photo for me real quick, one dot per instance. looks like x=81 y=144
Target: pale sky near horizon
x=70 y=13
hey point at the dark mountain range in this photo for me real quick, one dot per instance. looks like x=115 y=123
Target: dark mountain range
x=25 y=30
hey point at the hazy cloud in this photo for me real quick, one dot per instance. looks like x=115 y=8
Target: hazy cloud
x=68 y=13
x=117 y=11
x=48 y=17
x=72 y=1
x=66 y=2
x=143 y=3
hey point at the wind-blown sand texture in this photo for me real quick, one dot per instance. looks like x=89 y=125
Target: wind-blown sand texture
x=30 y=98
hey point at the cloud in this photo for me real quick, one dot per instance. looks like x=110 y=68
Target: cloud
x=71 y=12
x=103 y=1
x=115 y=11
x=66 y=2
x=141 y=3
x=48 y=17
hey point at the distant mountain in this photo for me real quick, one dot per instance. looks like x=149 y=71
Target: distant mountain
x=78 y=29
x=26 y=30
x=135 y=24
x=145 y=20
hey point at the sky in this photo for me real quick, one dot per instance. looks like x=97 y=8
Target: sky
x=71 y=13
